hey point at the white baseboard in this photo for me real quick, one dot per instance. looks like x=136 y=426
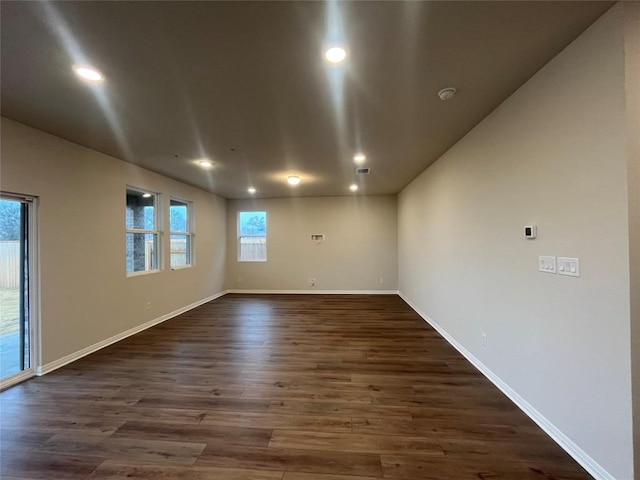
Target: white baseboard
x=580 y=456
x=61 y=362
x=316 y=292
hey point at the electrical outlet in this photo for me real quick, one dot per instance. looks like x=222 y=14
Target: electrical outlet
x=381 y=280
x=312 y=281
x=484 y=340
x=239 y=279
x=148 y=305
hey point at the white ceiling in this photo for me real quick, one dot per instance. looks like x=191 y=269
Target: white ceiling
x=244 y=83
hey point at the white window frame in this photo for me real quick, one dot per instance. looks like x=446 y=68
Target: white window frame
x=157 y=232
x=190 y=233
x=239 y=236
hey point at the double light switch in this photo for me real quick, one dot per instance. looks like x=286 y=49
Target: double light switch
x=547 y=264
x=562 y=266
x=569 y=266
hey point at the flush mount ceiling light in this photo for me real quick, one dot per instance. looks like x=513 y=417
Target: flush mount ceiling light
x=205 y=163
x=353 y=187
x=293 y=180
x=335 y=54
x=251 y=190
x=446 y=93
x=359 y=157
x=88 y=73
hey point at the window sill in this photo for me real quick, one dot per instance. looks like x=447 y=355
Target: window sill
x=140 y=274
x=182 y=267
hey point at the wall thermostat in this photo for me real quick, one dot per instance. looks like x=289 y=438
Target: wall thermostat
x=530 y=231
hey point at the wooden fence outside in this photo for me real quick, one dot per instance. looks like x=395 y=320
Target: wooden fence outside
x=253 y=249
x=9 y=264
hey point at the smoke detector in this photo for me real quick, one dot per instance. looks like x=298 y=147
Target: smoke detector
x=447 y=93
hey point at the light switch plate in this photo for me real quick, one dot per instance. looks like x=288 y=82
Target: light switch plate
x=547 y=264
x=569 y=266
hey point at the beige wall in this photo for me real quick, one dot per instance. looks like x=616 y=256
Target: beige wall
x=632 y=71
x=86 y=296
x=553 y=155
x=359 y=248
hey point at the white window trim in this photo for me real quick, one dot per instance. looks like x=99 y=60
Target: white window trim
x=157 y=231
x=190 y=233
x=140 y=274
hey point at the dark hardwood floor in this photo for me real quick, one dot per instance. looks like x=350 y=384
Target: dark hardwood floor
x=265 y=387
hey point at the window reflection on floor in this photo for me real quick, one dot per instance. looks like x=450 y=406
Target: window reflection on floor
x=254 y=328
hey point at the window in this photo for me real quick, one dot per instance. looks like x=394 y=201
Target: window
x=142 y=231
x=180 y=233
x=252 y=236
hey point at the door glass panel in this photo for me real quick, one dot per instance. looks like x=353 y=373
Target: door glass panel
x=14 y=314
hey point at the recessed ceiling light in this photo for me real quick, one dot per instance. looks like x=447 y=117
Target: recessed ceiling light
x=293 y=180
x=88 y=73
x=251 y=190
x=447 y=93
x=205 y=163
x=359 y=157
x=353 y=187
x=146 y=195
x=335 y=54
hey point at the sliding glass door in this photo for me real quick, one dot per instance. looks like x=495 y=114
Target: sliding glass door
x=16 y=267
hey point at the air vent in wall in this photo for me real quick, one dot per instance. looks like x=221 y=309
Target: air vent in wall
x=363 y=171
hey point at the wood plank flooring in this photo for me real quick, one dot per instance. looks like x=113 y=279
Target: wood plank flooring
x=266 y=387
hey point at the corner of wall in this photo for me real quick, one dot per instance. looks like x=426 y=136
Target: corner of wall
x=632 y=94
